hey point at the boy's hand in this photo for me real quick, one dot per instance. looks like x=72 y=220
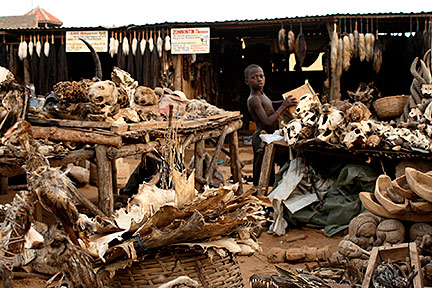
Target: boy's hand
x=289 y=102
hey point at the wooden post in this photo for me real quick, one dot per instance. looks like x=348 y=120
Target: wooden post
x=235 y=161
x=217 y=151
x=198 y=162
x=105 y=181
x=266 y=168
x=114 y=176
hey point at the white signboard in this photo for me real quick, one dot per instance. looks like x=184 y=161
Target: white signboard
x=190 y=40
x=98 y=40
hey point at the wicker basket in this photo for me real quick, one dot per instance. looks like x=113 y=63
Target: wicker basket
x=157 y=269
x=391 y=106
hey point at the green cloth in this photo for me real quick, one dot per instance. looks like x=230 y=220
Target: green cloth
x=341 y=203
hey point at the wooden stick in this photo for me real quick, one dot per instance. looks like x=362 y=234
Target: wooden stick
x=130 y=150
x=235 y=161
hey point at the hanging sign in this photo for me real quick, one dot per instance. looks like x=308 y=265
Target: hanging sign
x=190 y=40
x=98 y=40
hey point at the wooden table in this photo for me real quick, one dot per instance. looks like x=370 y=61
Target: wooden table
x=339 y=151
x=110 y=141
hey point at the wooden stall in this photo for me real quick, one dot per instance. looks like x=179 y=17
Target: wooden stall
x=108 y=142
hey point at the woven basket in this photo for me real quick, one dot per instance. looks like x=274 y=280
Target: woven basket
x=391 y=106
x=157 y=269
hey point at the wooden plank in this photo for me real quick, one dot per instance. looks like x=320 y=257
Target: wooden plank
x=415 y=262
x=72 y=157
x=71 y=123
x=105 y=189
x=370 y=268
x=69 y=135
x=266 y=168
x=235 y=161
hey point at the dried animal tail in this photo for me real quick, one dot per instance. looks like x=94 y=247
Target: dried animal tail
x=98 y=72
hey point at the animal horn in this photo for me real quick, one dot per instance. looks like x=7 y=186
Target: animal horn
x=95 y=59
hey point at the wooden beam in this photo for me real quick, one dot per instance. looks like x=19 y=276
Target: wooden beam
x=69 y=135
x=198 y=162
x=105 y=182
x=131 y=150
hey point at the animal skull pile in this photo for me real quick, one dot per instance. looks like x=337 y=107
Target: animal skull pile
x=353 y=128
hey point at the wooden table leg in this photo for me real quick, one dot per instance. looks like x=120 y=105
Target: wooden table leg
x=105 y=181
x=235 y=161
x=266 y=167
x=211 y=168
x=198 y=163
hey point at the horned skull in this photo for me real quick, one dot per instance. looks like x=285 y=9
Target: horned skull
x=292 y=131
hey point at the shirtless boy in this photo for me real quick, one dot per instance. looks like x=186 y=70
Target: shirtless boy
x=261 y=109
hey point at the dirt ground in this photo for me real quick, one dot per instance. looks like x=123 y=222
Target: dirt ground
x=257 y=263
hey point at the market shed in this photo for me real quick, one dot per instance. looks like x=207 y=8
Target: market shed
x=218 y=75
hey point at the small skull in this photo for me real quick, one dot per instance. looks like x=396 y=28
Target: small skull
x=145 y=96
x=309 y=119
x=292 y=131
x=306 y=102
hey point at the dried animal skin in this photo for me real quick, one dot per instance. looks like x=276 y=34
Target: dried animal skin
x=362 y=47
x=356 y=44
x=125 y=46
x=339 y=62
x=334 y=51
x=347 y=53
x=30 y=47
x=159 y=46
x=282 y=41
x=300 y=50
x=134 y=46
x=291 y=41
x=46 y=48
x=167 y=43
x=369 y=40
x=143 y=45
x=112 y=47
x=377 y=56
x=38 y=48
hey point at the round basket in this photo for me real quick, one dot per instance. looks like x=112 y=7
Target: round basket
x=391 y=106
x=153 y=270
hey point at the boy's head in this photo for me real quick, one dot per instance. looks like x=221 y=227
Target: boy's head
x=254 y=77
x=249 y=69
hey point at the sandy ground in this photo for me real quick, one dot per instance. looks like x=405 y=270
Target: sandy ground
x=257 y=263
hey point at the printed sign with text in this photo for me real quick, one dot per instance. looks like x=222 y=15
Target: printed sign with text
x=190 y=40
x=98 y=40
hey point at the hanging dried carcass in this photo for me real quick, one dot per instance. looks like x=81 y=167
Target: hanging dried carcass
x=300 y=50
x=282 y=40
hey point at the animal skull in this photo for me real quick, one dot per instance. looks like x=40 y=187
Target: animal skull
x=103 y=93
x=292 y=131
x=145 y=96
x=306 y=102
x=309 y=119
x=354 y=134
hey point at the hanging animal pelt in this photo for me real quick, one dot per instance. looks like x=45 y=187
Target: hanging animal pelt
x=339 y=63
x=46 y=48
x=112 y=46
x=143 y=44
x=377 y=55
x=334 y=50
x=351 y=39
x=300 y=50
x=347 y=52
x=282 y=41
x=356 y=42
x=369 y=40
x=291 y=41
x=30 y=47
x=134 y=44
x=125 y=46
x=362 y=47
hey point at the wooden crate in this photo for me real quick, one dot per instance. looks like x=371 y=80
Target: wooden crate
x=395 y=253
x=297 y=93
